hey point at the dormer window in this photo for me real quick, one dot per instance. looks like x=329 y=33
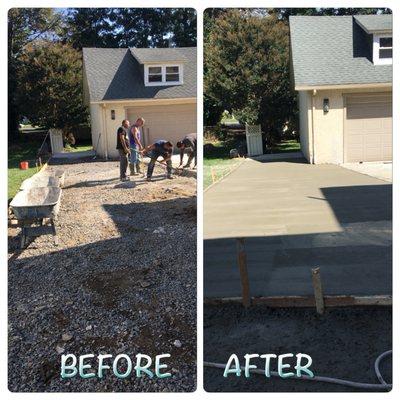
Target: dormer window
x=383 y=49
x=163 y=75
x=154 y=74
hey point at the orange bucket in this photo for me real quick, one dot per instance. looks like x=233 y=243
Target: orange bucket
x=24 y=165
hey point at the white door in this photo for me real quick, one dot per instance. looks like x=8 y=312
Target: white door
x=368 y=127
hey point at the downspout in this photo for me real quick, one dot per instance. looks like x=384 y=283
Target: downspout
x=314 y=92
x=105 y=131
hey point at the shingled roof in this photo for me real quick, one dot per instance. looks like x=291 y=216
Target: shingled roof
x=332 y=50
x=115 y=74
x=375 y=23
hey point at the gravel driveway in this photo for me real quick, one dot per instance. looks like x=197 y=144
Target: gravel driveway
x=121 y=280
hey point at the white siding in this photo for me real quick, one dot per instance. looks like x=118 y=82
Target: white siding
x=304 y=122
x=97 y=129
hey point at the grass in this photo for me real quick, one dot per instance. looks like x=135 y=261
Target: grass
x=25 y=148
x=216 y=160
x=286 y=146
x=79 y=147
x=220 y=168
x=216 y=157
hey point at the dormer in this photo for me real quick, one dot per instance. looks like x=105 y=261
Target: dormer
x=161 y=66
x=379 y=27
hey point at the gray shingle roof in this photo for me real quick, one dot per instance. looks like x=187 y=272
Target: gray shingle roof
x=157 y=55
x=323 y=52
x=114 y=74
x=375 y=23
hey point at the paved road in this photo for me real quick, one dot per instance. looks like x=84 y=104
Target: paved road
x=296 y=216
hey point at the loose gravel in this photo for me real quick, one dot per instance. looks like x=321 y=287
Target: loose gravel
x=121 y=280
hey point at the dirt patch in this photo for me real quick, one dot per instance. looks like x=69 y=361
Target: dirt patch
x=343 y=343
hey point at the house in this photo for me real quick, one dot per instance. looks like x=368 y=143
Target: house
x=342 y=71
x=158 y=84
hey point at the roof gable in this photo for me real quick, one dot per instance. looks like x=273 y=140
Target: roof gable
x=115 y=74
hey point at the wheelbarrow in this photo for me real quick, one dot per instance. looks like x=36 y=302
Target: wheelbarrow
x=32 y=207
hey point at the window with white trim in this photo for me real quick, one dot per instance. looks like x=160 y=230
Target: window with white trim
x=154 y=74
x=163 y=75
x=383 y=49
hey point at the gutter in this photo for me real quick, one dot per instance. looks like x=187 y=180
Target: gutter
x=345 y=86
x=181 y=100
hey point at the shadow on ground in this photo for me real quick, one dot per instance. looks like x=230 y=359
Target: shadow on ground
x=130 y=294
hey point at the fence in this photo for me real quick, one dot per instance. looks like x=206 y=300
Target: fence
x=254 y=140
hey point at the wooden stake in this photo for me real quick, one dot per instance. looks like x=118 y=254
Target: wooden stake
x=308 y=301
x=317 y=284
x=244 y=278
x=213 y=175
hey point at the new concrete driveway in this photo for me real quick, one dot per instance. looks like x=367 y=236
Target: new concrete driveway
x=296 y=216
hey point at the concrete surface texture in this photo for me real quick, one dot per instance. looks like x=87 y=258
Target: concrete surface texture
x=296 y=216
x=380 y=170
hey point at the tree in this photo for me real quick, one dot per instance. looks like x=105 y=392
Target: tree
x=51 y=90
x=247 y=69
x=246 y=65
x=155 y=27
x=183 y=26
x=90 y=27
x=25 y=25
x=284 y=13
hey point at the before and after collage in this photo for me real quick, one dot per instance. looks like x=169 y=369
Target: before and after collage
x=159 y=241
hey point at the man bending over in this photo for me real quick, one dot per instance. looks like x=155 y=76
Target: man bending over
x=161 y=148
x=188 y=142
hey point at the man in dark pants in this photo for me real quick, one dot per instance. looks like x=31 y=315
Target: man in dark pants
x=188 y=142
x=123 y=149
x=161 y=148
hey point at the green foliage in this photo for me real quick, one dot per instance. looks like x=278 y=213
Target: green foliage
x=247 y=69
x=24 y=26
x=50 y=86
x=45 y=77
x=246 y=65
x=130 y=27
x=90 y=27
x=284 y=13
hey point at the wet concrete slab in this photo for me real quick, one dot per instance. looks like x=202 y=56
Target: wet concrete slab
x=295 y=216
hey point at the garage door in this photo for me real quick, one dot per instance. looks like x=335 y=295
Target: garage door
x=368 y=128
x=169 y=122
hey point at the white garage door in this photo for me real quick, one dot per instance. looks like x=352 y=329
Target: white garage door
x=368 y=128
x=169 y=122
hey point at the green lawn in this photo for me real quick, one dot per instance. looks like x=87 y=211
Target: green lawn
x=24 y=150
x=216 y=160
x=286 y=146
x=79 y=147
x=220 y=168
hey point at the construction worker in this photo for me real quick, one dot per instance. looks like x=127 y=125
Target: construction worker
x=188 y=142
x=135 y=146
x=123 y=149
x=161 y=148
